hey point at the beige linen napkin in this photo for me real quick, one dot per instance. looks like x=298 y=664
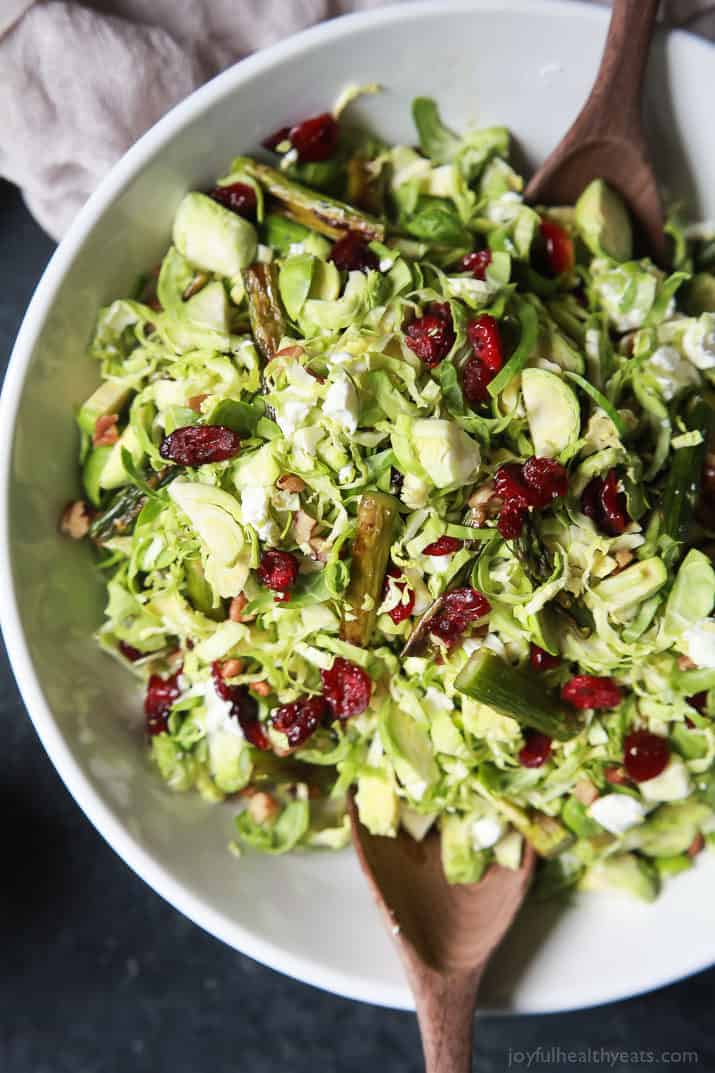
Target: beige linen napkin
x=79 y=82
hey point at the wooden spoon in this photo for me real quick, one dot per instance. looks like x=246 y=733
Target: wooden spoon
x=606 y=140
x=445 y=934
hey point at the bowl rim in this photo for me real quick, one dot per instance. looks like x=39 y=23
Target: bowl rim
x=148 y=146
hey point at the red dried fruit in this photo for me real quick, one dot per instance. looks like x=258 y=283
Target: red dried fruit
x=402 y=610
x=558 y=246
x=238 y=197
x=161 y=693
x=244 y=708
x=588 y=691
x=274 y=140
x=485 y=337
x=458 y=610
x=347 y=688
x=129 y=652
x=511 y=522
x=199 y=445
x=352 y=254
x=545 y=479
x=605 y=504
x=509 y=485
x=536 y=749
x=614 y=505
x=698 y=701
x=300 y=719
x=476 y=262
x=278 y=570
x=431 y=336
x=475 y=379
x=645 y=755
x=446 y=545
x=541 y=660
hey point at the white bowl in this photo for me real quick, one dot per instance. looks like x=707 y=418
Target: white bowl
x=309 y=915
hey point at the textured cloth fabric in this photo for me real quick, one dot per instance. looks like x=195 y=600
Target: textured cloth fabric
x=81 y=81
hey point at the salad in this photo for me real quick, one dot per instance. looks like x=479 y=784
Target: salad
x=402 y=487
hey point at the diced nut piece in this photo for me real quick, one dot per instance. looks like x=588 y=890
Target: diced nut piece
x=696 y=846
x=585 y=792
x=236 y=607
x=485 y=505
x=685 y=663
x=289 y=482
x=197 y=284
x=232 y=668
x=263 y=808
x=303 y=526
x=106 y=432
x=76 y=519
x=261 y=688
x=615 y=775
x=195 y=401
x=175 y=658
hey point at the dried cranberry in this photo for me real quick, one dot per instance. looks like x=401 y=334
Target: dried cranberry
x=698 y=701
x=300 y=719
x=347 y=688
x=614 y=505
x=238 y=197
x=645 y=755
x=485 y=337
x=197 y=445
x=558 y=246
x=446 y=545
x=546 y=480
x=457 y=611
x=244 y=708
x=536 y=749
x=476 y=262
x=278 y=570
x=161 y=693
x=509 y=485
x=511 y=521
x=315 y=139
x=404 y=609
x=541 y=660
x=431 y=336
x=274 y=140
x=130 y=652
x=475 y=380
x=605 y=504
x=587 y=691
x=352 y=254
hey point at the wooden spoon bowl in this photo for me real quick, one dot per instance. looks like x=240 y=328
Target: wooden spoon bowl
x=445 y=934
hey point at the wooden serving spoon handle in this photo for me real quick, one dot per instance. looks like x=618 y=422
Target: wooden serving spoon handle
x=614 y=104
x=445 y=1012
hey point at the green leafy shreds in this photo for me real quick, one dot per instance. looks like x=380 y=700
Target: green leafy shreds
x=371 y=462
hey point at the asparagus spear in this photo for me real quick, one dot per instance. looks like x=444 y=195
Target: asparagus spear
x=377 y=515
x=317 y=211
x=265 y=309
x=682 y=487
x=125 y=507
x=517 y=693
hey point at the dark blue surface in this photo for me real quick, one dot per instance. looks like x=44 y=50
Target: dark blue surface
x=98 y=975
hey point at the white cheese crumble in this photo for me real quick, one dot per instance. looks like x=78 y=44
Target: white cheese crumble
x=672 y=372
x=699 y=642
x=342 y=404
x=616 y=812
x=292 y=414
x=486 y=832
x=255 y=511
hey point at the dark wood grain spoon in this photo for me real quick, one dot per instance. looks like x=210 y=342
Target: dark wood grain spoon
x=445 y=934
x=606 y=140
